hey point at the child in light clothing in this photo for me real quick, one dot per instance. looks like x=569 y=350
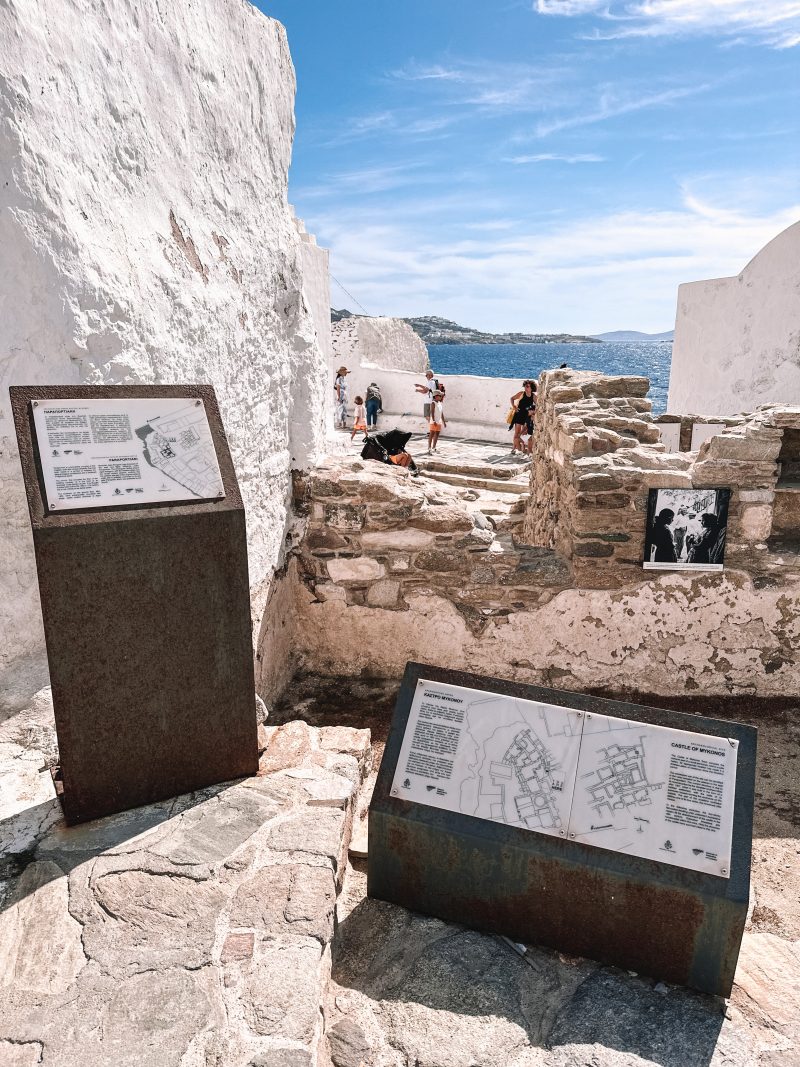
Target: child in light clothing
x=359 y=418
x=437 y=422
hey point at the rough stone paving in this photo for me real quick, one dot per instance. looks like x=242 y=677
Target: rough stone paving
x=191 y=932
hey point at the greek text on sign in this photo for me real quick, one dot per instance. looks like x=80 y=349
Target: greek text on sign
x=649 y=791
x=108 y=453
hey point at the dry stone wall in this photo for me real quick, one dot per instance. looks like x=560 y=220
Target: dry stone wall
x=146 y=237
x=387 y=569
x=597 y=456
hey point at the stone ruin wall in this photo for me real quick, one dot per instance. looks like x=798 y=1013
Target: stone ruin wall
x=388 y=569
x=154 y=244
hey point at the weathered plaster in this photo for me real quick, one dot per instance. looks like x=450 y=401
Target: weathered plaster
x=147 y=237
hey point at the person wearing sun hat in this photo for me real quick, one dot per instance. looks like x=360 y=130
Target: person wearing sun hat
x=340 y=387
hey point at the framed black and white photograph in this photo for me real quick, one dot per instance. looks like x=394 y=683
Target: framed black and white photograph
x=686 y=529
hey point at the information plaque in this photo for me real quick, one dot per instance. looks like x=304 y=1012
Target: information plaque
x=98 y=453
x=628 y=786
x=603 y=829
x=141 y=553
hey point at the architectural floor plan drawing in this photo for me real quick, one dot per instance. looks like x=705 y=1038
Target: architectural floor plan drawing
x=536 y=787
x=619 y=780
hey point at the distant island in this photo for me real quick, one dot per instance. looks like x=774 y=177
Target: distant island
x=634 y=335
x=437 y=331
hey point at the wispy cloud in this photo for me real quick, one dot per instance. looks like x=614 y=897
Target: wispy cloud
x=775 y=23
x=398 y=123
x=364 y=180
x=547 y=157
x=588 y=273
x=612 y=104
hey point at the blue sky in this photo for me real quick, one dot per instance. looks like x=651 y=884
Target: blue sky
x=559 y=165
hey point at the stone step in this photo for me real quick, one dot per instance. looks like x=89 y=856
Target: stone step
x=502 y=471
x=464 y=481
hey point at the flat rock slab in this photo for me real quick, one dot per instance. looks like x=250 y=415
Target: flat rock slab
x=410 y=989
x=188 y=933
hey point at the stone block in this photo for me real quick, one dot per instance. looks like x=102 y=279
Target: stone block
x=627 y=385
x=328 y=591
x=665 y=479
x=400 y=540
x=592 y=549
x=316 y=831
x=383 y=594
x=734 y=474
x=345 y=516
x=325 y=537
x=281 y=994
x=387 y=516
x=756 y=496
x=359 y=569
x=749 y=448
x=755 y=521
x=609 y=537
x=345 y=739
x=564 y=394
x=294 y=898
x=443 y=518
x=611 y=500
x=596 y=483
x=289 y=745
x=321 y=486
x=434 y=561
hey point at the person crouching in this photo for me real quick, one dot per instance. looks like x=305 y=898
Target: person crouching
x=436 y=423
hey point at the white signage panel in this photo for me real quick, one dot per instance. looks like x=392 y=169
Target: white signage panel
x=111 y=452
x=648 y=791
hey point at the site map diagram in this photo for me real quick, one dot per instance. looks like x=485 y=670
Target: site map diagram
x=179 y=445
x=613 y=783
x=118 y=451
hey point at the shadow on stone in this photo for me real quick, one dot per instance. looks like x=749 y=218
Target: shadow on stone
x=422 y=971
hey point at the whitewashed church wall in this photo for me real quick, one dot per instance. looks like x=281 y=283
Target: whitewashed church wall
x=146 y=237
x=737 y=340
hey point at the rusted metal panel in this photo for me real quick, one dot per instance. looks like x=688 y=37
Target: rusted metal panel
x=146 y=614
x=661 y=920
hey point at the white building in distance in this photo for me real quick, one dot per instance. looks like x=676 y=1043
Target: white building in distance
x=737 y=340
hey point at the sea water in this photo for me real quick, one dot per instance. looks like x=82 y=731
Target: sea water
x=648 y=358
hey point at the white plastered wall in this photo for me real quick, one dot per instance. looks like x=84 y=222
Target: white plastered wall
x=146 y=237
x=737 y=340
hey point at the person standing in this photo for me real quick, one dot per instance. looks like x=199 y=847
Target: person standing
x=340 y=388
x=374 y=405
x=437 y=421
x=359 y=418
x=524 y=403
x=662 y=545
x=430 y=387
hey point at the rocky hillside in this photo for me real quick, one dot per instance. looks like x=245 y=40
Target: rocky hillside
x=437 y=331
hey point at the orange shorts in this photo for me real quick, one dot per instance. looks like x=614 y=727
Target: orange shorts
x=435 y=427
x=360 y=426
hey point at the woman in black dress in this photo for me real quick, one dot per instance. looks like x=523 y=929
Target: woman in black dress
x=525 y=404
